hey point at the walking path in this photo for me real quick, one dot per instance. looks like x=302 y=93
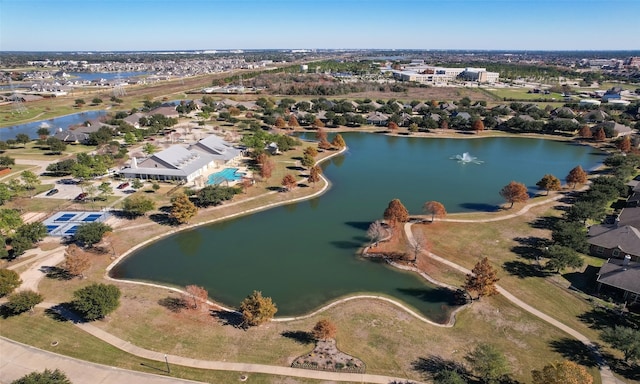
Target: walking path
x=184 y=361
x=32 y=276
x=606 y=375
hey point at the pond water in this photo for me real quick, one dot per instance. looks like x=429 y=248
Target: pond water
x=52 y=125
x=105 y=75
x=304 y=254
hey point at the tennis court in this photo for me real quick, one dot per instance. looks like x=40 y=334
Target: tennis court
x=66 y=223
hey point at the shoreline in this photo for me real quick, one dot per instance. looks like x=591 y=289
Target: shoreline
x=325 y=188
x=450 y=322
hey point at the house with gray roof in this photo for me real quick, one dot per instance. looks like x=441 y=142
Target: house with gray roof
x=614 y=241
x=623 y=275
x=134 y=119
x=71 y=136
x=377 y=118
x=167 y=111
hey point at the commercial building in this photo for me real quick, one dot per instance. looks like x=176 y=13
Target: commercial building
x=185 y=164
x=426 y=74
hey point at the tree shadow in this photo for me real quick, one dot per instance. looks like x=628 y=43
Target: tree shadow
x=361 y=225
x=54 y=313
x=482 y=207
x=431 y=365
x=300 y=337
x=231 y=318
x=522 y=269
x=174 y=304
x=546 y=222
x=275 y=188
x=527 y=252
x=296 y=168
x=583 y=281
x=57 y=273
x=64 y=312
x=344 y=244
x=600 y=318
x=574 y=350
x=433 y=295
x=161 y=218
x=627 y=370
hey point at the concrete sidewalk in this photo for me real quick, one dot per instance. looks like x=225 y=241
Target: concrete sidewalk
x=17 y=360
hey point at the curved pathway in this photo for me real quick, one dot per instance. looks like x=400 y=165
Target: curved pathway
x=606 y=375
x=75 y=368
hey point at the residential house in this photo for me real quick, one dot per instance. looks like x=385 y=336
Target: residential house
x=596 y=116
x=622 y=275
x=377 y=118
x=464 y=115
x=71 y=136
x=168 y=111
x=614 y=241
x=134 y=119
x=618 y=129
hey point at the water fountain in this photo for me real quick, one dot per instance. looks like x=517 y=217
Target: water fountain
x=466 y=158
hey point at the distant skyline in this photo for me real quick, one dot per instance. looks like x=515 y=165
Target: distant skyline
x=149 y=25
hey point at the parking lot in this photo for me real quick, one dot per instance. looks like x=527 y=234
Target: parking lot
x=69 y=189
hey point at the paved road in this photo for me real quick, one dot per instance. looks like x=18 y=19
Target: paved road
x=18 y=360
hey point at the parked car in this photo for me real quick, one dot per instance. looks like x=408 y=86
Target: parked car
x=81 y=197
x=123 y=185
x=67 y=181
x=52 y=192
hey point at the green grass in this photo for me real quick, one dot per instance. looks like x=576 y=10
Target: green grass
x=40 y=330
x=521 y=94
x=34 y=152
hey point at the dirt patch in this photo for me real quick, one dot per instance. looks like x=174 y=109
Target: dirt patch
x=327 y=357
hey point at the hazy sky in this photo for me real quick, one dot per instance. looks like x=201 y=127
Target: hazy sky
x=111 y=25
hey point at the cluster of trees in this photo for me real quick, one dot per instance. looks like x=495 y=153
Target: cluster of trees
x=258 y=140
x=16 y=236
x=18 y=302
x=25 y=183
x=488 y=365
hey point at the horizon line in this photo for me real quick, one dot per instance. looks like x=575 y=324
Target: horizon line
x=310 y=50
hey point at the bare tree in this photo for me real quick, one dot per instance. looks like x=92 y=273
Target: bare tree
x=376 y=232
x=418 y=245
x=196 y=295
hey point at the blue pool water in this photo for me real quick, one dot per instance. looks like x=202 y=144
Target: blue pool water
x=227 y=174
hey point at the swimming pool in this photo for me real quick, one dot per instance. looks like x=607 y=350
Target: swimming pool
x=227 y=174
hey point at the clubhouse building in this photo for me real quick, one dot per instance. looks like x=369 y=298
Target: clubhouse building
x=185 y=164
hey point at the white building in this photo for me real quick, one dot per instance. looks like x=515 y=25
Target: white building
x=184 y=164
x=426 y=74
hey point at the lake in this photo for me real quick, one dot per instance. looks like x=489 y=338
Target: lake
x=89 y=76
x=304 y=255
x=63 y=122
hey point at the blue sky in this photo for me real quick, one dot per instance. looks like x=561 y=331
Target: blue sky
x=112 y=25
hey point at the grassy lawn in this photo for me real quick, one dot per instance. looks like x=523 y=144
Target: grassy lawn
x=507 y=245
x=387 y=339
x=522 y=94
x=40 y=330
